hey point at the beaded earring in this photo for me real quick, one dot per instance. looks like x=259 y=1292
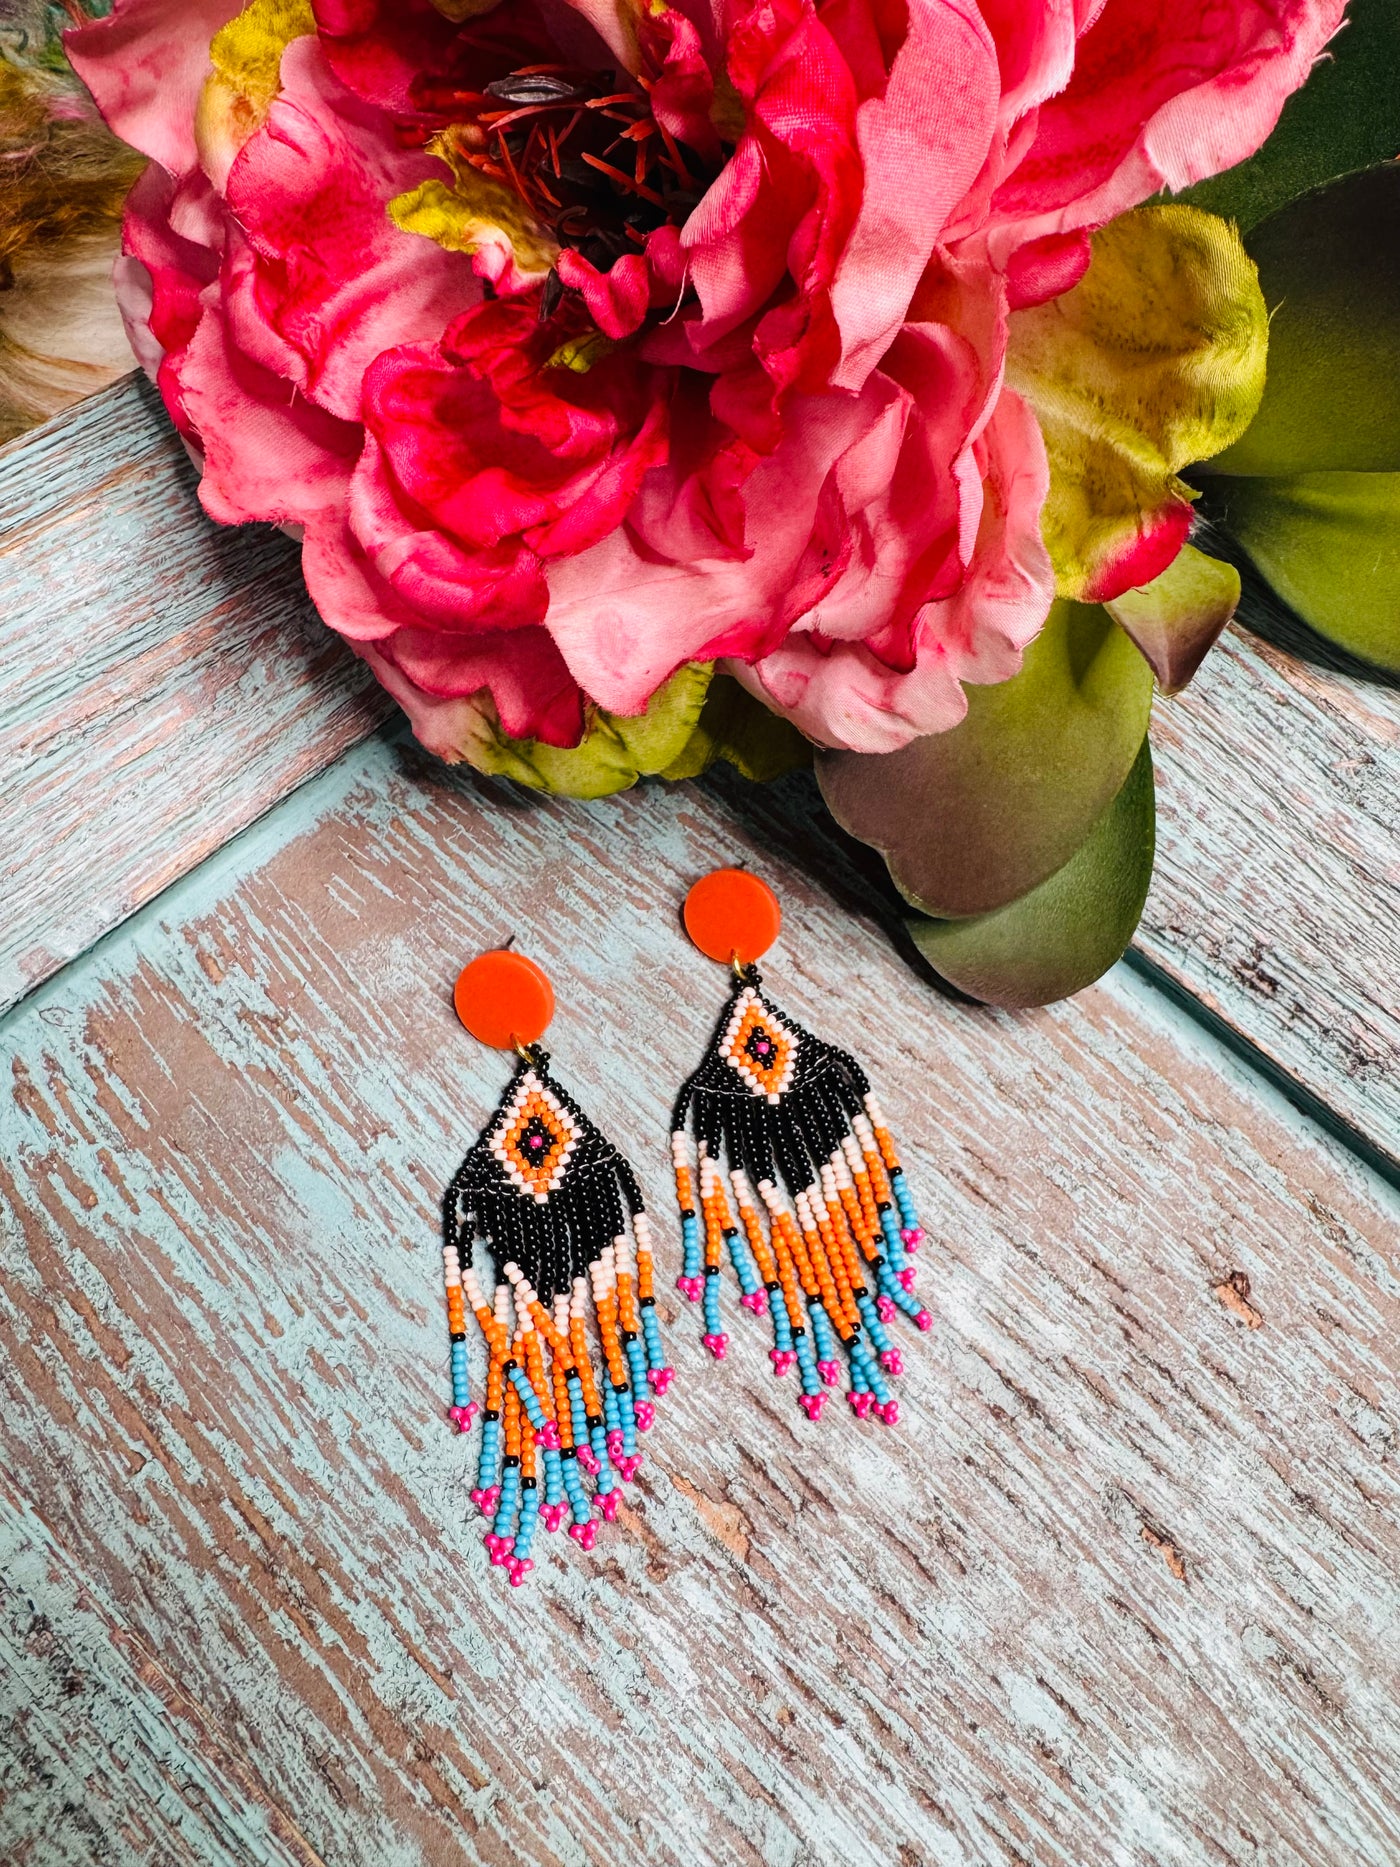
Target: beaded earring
x=560 y=1211
x=787 y=1127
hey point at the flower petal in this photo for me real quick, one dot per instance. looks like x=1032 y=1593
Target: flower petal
x=146 y=65
x=1154 y=360
x=923 y=141
x=1160 y=97
x=614 y=752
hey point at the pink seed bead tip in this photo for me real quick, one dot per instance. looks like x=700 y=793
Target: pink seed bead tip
x=913 y=1236
x=861 y=1404
x=615 y=1444
x=691 y=1287
x=462 y=1417
x=718 y=1345
x=585 y=1534
x=892 y=1361
x=588 y=1459
x=487 y=1500
x=499 y=1547
x=548 y=1436
x=889 y=1413
x=756 y=1300
x=660 y=1379
x=885 y=1305
x=830 y=1371
x=627 y=1468
x=907 y=1276
x=924 y=1320
x=553 y=1515
x=519 y=1567
x=609 y=1500
x=812 y=1404
x=645 y=1416
x=782 y=1359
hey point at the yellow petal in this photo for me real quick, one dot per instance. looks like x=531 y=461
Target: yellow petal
x=246 y=56
x=474 y=211
x=615 y=750
x=1155 y=360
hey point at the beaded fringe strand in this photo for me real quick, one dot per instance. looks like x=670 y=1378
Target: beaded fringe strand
x=562 y=1216
x=800 y=1185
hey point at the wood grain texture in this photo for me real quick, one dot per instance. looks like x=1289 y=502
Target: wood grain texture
x=162 y=681
x=1276 y=896
x=1120 y=1589
x=102 y=1757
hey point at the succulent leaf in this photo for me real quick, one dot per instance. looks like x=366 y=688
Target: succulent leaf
x=1175 y=618
x=1067 y=932
x=971 y=819
x=735 y=727
x=1329 y=265
x=1329 y=544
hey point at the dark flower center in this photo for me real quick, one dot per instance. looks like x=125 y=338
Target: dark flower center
x=581 y=149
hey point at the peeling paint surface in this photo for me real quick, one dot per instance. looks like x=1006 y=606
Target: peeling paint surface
x=1119 y=1589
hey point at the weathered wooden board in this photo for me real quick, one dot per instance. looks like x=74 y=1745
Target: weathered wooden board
x=102 y=1755
x=1276 y=896
x=162 y=682
x=1120 y=1588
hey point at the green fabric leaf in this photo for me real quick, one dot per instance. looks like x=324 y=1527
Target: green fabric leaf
x=1066 y=933
x=1175 y=618
x=969 y=820
x=615 y=751
x=1347 y=116
x=1153 y=361
x=735 y=727
x=1329 y=544
x=1330 y=268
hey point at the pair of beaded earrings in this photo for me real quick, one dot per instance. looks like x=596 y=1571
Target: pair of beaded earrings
x=798 y=1181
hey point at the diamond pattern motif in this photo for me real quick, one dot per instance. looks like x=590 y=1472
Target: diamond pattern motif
x=534 y=1139
x=759 y=1047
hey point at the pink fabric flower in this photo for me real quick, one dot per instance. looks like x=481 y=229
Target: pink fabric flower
x=580 y=341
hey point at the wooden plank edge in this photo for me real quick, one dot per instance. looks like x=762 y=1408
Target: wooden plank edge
x=1176 y=989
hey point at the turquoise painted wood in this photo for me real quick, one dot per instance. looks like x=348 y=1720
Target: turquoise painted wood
x=102 y=1754
x=162 y=681
x=1120 y=1587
